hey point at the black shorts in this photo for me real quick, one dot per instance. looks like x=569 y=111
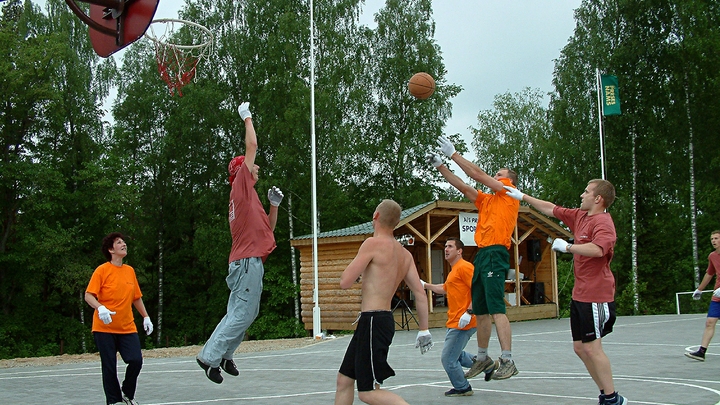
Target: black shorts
x=366 y=356
x=591 y=320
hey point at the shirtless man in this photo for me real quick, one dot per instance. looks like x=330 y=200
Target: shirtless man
x=382 y=262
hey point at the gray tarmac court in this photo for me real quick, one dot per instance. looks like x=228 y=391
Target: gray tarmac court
x=646 y=353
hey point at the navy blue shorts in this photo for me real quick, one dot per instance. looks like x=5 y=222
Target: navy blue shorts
x=714 y=310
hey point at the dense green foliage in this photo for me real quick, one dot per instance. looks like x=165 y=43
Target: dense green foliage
x=156 y=170
x=665 y=55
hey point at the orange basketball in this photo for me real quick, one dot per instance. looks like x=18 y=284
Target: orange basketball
x=421 y=85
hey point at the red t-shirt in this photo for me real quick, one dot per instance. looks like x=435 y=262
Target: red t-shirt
x=714 y=269
x=594 y=282
x=457 y=286
x=116 y=288
x=249 y=224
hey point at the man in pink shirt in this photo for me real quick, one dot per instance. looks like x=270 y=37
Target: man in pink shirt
x=252 y=242
x=592 y=309
x=713 y=270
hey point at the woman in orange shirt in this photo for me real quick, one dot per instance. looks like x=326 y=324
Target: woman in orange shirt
x=112 y=291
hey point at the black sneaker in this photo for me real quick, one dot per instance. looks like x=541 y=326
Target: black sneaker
x=459 y=393
x=619 y=400
x=491 y=372
x=212 y=373
x=229 y=367
x=696 y=355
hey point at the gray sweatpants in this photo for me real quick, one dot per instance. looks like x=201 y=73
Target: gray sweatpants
x=245 y=282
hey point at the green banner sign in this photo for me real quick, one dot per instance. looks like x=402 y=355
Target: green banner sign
x=610 y=95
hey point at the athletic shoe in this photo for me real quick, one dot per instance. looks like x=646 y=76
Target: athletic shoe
x=229 y=367
x=212 y=373
x=129 y=401
x=459 y=393
x=505 y=370
x=480 y=366
x=696 y=355
x=619 y=400
x=491 y=372
x=601 y=399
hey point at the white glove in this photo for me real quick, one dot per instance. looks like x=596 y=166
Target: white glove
x=433 y=159
x=560 y=245
x=446 y=146
x=697 y=294
x=244 y=110
x=424 y=341
x=275 y=196
x=514 y=193
x=147 y=325
x=716 y=293
x=423 y=283
x=104 y=314
x=464 y=320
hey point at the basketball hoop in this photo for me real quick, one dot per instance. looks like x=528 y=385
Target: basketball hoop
x=177 y=61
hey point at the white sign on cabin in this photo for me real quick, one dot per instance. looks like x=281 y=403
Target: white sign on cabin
x=468 y=223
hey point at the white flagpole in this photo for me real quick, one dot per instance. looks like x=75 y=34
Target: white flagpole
x=598 y=83
x=317 y=330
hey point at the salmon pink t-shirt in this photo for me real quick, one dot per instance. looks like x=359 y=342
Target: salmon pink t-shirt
x=249 y=224
x=714 y=269
x=594 y=282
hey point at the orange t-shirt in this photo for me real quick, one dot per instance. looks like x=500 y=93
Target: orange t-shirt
x=459 y=296
x=116 y=288
x=497 y=216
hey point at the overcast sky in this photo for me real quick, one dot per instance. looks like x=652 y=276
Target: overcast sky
x=489 y=47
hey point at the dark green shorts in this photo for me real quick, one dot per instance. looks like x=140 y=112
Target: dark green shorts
x=488 y=285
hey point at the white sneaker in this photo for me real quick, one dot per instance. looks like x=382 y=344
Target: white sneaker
x=127 y=401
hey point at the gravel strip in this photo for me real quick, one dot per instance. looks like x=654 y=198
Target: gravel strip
x=247 y=346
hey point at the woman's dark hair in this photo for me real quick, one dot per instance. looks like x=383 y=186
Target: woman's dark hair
x=107 y=244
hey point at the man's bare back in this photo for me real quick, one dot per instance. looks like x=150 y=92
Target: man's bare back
x=383 y=262
x=389 y=265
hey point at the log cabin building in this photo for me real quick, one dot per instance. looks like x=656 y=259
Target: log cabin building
x=531 y=288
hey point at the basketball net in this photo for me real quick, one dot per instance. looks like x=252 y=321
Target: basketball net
x=177 y=62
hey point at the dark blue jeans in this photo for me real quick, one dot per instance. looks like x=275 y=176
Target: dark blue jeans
x=128 y=345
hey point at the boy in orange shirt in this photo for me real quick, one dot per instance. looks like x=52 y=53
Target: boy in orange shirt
x=461 y=323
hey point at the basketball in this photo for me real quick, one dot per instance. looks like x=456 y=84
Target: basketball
x=421 y=85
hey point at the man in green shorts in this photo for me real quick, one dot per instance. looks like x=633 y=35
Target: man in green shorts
x=497 y=217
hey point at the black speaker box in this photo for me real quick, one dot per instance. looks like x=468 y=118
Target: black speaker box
x=533 y=250
x=538 y=293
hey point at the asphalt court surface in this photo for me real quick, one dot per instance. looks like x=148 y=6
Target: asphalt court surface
x=646 y=353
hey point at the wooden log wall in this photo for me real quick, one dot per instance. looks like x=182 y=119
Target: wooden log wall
x=338 y=308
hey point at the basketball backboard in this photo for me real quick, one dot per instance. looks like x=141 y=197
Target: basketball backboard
x=115 y=24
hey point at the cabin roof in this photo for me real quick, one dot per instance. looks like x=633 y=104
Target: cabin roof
x=527 y=217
